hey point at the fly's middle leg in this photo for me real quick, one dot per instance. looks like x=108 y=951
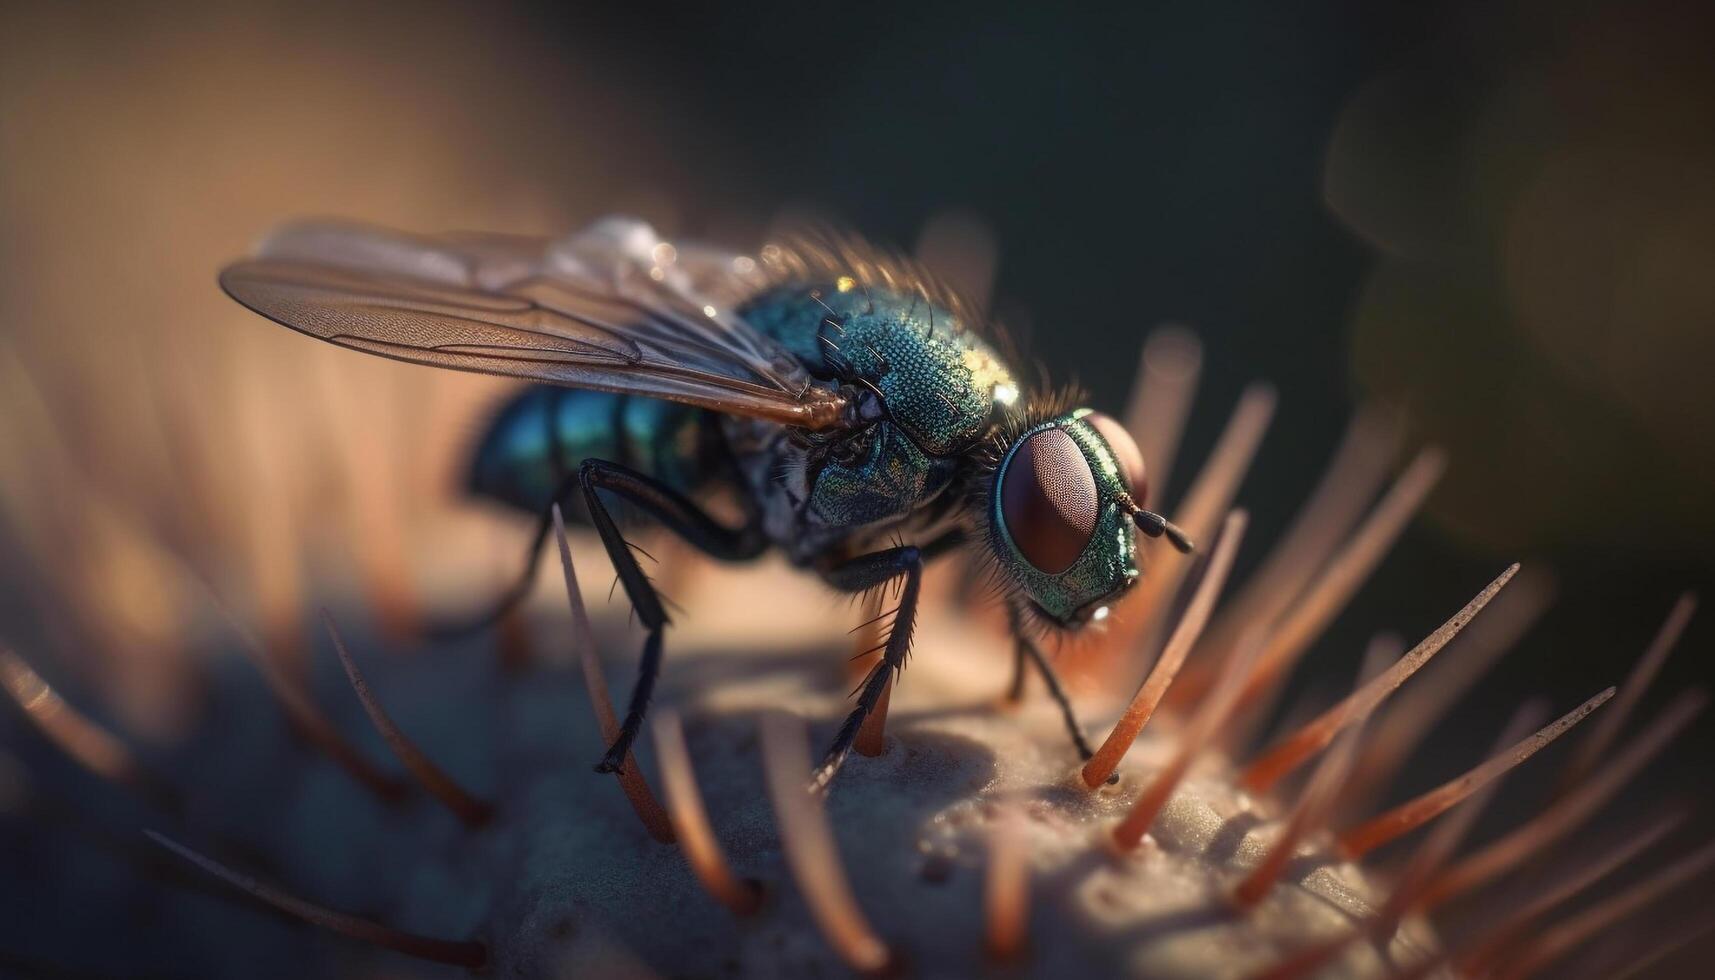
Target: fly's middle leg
x=684 y=518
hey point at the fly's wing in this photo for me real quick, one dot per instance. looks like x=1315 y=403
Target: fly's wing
x=611 y=307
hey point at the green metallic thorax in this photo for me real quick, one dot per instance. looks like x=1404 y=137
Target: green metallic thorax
x=936 y=381
x=936 y=377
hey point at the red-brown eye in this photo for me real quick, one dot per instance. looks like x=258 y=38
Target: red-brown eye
x=1125 y=451
x=1048 y=500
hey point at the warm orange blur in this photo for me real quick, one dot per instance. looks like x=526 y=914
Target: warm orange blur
x=157 y=434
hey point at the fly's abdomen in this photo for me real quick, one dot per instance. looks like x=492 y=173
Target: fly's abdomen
x=544 y=432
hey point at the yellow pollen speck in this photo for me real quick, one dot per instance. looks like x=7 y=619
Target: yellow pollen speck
x=845 y=284
x=989 y=374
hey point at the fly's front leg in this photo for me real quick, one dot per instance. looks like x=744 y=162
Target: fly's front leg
x=859 y=575
x=683 y=518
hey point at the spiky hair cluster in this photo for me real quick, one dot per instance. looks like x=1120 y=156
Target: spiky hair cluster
x=817 y=252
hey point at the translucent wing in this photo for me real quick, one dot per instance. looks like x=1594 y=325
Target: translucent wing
x=611 y=307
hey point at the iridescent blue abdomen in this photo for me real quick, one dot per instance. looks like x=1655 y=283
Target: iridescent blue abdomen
x=544 y=432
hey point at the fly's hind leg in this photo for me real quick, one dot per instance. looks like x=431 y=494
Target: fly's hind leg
x=520 y=589
x=682 y=517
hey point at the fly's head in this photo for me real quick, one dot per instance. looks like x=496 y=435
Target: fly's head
x=1064 y=503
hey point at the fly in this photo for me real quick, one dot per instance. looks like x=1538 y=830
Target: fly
x=843 y=397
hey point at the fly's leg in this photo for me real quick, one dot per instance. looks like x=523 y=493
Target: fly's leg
x=1015 y=690
x=683 y=518
x=1034 y=654
x=520 y=589
x=1026 y=649
x=860 y=575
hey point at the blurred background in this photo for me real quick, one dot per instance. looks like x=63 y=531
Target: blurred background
x=1496 y=218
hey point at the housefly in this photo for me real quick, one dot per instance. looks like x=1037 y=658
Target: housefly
x=852 y=405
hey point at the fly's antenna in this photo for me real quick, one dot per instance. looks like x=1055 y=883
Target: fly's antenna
x=1156 y=526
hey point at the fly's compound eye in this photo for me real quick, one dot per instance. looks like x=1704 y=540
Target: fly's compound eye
x=1125 y=453
x=1048 y=500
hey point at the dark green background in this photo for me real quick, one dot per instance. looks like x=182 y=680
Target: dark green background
x=1166 y=164
x=1158 y=164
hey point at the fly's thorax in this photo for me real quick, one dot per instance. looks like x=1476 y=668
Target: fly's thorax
x=935 y=388
x=939 y=382
x=814 y=495
x=876 y=475
x=1057 y=521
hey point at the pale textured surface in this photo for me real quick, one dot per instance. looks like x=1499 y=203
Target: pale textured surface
x=911 y=824
x=566 y=882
